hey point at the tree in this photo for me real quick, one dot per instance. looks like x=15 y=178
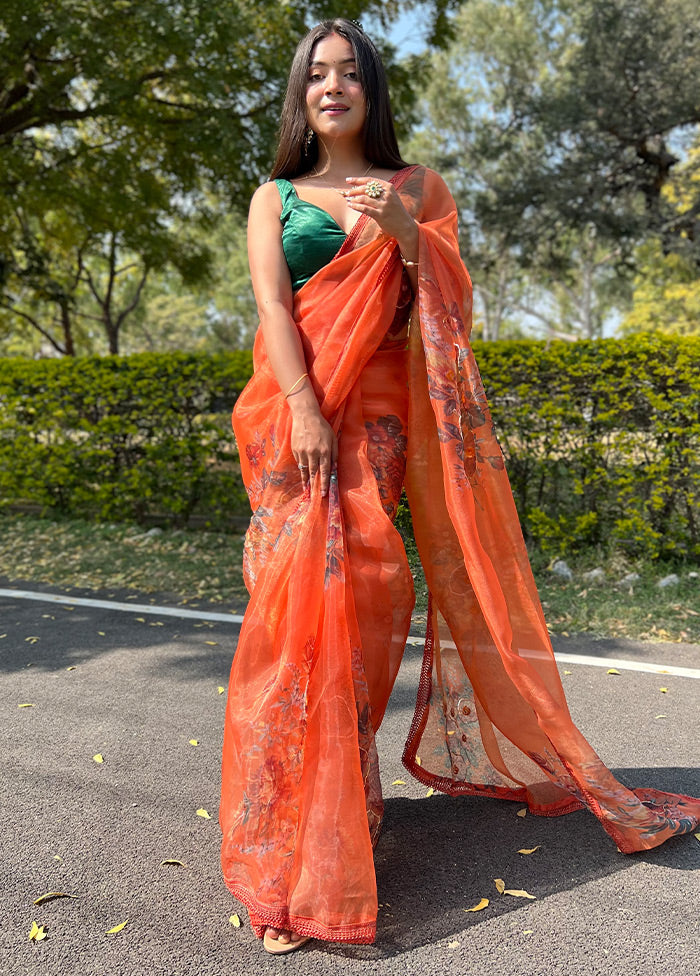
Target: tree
x=218 y=315
x=666 y=295
x=466 y=133
x=666 y=287
x=122 y=117
x=591 y=138
x=78 y=262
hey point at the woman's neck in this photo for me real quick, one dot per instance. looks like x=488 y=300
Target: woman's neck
x=338 y=160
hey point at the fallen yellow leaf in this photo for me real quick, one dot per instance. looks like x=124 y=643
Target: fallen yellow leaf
x=212 y=643
x=453 y=945
x=235 y=921
x=518 y=893
x=50 y=895
x=664 y=690
x=31 y=640
x=500 y=885
x=203 y=813
x=451 y=731
x=141 y=620
x=528 y=931
x=399 y=782
x=661 y=715
x=37 y=932
x=522 y=813
x=194 y=742
x=101 y=633
x=430 y=791
x=697 y=837
x=417 y=760
x=26 y=705
x=71 y=668
x=171 y=861
x=528 y=850
x=568 y=672
x=221 y=689
x=99 y=758
x=478 y=907
x=117 y=928
x=613 y=671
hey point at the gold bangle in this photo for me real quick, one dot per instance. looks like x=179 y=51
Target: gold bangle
x=295 y=385
x=407 y=264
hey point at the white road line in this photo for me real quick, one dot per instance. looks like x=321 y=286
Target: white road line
x=621 y=665
x=81 y=601
x=233 y=618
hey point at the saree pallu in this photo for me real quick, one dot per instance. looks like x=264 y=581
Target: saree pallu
x=331 y=598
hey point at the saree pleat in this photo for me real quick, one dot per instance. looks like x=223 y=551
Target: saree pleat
x=331 y=598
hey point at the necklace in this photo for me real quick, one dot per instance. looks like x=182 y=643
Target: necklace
x=335 y=188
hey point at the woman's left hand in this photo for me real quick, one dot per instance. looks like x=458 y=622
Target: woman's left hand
x=386 y=208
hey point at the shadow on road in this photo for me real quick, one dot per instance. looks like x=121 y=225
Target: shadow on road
x=435 y=859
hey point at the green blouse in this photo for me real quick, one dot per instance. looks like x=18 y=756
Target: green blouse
x=310 y=236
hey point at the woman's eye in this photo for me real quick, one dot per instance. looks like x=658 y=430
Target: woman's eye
x=316 y=76
x=352 y=75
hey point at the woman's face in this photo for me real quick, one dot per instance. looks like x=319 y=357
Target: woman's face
x=335 y=102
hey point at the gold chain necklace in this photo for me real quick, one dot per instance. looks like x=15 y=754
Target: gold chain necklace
x=335 y=188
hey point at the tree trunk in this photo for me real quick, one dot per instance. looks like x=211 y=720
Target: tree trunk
x=67 y=327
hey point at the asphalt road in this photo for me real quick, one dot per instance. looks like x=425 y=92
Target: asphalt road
x=136 y=687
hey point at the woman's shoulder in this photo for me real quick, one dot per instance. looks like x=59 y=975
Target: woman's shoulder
x=432 y=177
x=266 y=199
x=436 y=192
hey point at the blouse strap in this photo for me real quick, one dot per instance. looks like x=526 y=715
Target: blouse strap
x=288 y=195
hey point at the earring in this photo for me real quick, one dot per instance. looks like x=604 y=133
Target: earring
x=309 y=136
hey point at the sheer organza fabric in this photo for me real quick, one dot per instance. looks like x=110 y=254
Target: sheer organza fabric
x=331 y=597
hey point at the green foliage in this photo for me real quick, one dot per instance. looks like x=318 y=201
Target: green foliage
x=117 y=122
x=666 y=296
x=123 y=437
x=570 y=115
x=601 y=439
x=472 y=129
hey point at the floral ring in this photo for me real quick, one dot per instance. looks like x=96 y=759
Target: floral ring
x=374 y=189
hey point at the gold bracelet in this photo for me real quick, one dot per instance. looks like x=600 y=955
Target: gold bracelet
x=407 y=264
x=295 y=385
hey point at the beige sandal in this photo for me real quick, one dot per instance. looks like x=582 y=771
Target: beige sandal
x=277 y=948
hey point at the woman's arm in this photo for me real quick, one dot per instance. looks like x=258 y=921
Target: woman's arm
x=314 y=443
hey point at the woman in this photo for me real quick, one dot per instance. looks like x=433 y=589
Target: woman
x=343 y=409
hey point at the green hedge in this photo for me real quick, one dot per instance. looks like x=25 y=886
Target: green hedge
x=123 y=437
x=602 y=438
x=602 y=441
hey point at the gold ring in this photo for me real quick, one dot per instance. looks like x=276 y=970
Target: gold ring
x=374 y=190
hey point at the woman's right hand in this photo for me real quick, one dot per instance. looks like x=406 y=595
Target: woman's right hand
x=315 y=447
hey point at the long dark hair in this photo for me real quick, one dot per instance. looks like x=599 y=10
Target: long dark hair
x=294 y=156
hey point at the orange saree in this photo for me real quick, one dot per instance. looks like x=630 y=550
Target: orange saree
x=331 y=597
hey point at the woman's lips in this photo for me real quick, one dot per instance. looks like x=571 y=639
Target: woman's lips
x=335 y=109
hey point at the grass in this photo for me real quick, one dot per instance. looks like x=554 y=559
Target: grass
x=205 y=567
x=201 y=566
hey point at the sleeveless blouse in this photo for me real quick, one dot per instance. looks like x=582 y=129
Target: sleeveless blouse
x=310 y=236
